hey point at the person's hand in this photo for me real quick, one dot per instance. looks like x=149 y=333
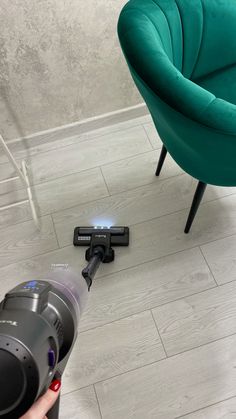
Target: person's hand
x=41 y=407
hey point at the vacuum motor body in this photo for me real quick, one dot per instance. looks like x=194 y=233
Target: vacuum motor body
x=39 y=322
x=38 y=328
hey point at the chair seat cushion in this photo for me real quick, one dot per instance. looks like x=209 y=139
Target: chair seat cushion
x=222 y=83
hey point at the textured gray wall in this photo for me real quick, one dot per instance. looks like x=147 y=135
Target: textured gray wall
x=60 y=62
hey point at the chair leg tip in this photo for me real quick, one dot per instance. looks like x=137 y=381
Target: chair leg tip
x=187 y=228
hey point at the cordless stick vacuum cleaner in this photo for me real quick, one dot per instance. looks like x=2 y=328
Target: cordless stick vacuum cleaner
x=99 y=240
x=39 y=322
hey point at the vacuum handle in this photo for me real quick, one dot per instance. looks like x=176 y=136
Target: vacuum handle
x=92 y=267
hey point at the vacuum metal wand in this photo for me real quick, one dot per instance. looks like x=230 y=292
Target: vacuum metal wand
x=90 y=270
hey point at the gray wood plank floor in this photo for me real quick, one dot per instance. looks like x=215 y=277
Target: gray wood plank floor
x=223 y=410
x=158 y=336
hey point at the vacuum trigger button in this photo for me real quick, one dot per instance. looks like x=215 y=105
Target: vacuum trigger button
x=51 y=358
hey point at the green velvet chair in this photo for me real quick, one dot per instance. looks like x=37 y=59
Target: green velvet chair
x=182 y=57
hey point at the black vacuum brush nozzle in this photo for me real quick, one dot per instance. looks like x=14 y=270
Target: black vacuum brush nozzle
x=99 y=240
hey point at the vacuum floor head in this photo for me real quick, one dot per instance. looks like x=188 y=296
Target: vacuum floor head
x=99 y=240
x=118 y=236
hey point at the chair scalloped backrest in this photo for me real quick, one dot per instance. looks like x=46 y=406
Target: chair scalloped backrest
x=194 y=34
x=169 y=46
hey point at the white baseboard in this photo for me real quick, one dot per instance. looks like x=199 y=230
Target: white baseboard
x=80 y=127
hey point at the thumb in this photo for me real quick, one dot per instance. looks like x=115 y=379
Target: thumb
x=41 y=407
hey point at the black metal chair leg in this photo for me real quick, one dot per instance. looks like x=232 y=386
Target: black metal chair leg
x=161 y=160
x=195 y=204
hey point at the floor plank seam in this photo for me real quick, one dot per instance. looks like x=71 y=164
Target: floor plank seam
x=44 y=182
x=153 y=259
x=208 y=266
x=119 y=375
x=158 y=332
x=184 y=209
x=99 y=407
x=97 y=166
x=152 y=363
x=149 y=183
x=51 y=213
x=20 y=222
x=149 y=137
x=96 y=136
x=131 y=157
x=108 y=190
x=130 y=190
x=164 y=215
x=149 y=309
x=100 y=277
x=104 y=275
x=54 y=229
x=153 y=308
x=86 y=140
x=114 y=195
x=201 y=346
x=205 y=407
x=66 y=393
x=225 y=283
x=30 y=258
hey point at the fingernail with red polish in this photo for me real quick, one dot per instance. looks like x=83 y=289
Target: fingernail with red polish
x=55 y=386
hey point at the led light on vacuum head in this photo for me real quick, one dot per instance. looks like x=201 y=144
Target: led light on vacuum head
x=101 y=227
